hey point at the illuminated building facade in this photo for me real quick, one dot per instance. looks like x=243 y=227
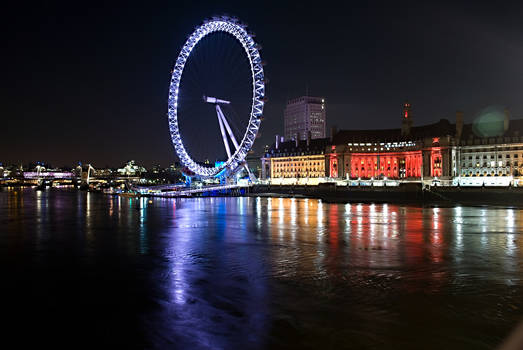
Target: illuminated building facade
x=304 y=115
x=497 y=154
x=442 y=151
x=407 y=153
x=295 y=159
x=374 y=159
x=298 y=166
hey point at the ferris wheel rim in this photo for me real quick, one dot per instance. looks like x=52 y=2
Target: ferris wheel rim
x=250 y=47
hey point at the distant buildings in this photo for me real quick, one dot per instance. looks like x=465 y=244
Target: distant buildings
x=131 y=169
x=303 y=115
x=451 y=153
x=84 y=173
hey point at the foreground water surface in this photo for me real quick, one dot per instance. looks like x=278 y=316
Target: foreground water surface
x=251 y=273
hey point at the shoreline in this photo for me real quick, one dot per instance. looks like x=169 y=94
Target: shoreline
x=410 y=194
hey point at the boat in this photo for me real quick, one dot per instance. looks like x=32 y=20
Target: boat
x=129 y=194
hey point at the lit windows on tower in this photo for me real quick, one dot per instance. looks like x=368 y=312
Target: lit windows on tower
x=406 y=123
x=406 y=110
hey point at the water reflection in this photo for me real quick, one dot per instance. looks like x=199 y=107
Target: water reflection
x=278 y=272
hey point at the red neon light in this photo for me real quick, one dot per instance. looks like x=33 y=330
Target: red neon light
x=334 y=167
x=436 y=162
x=365 y=165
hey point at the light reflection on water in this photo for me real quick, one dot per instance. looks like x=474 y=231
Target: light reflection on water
x=273 y=272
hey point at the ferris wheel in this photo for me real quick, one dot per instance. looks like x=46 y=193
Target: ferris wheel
x=237 y=135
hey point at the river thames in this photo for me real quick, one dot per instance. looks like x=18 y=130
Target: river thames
x=253 y=273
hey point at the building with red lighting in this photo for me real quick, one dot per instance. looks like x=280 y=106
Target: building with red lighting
x=412 y=152
x=444 y=151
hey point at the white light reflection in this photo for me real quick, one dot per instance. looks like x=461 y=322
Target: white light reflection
x=88 y=216
x=306 y=211
x=435 y=218
x=483 y=238
x=510 y=220
x=511 y=244
x=319 y=214
x=385 y=211
x=385 y=219
x=269 y=211
x=348 y=218
x=39 y=220
x=143 y=213
x=372 y=223
x=179 y=282
x=258 y=207
x=483 y=220
x=258 y=213
x=458 y=214
x=242 y=209
x=39 y=204
x=119 y=208
x=510 y=223
x=281 y=210
x=293 y=213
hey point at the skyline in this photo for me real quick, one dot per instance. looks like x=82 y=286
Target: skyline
x=97 y=90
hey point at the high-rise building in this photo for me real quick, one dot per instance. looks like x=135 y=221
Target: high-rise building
x=303 y=115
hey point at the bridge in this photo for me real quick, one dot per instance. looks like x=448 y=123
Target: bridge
x=160 y=191
x=55 y=175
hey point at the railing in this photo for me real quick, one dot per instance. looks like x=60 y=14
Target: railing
x=156 y=192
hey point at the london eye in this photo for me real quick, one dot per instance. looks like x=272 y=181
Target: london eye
x=216 y=98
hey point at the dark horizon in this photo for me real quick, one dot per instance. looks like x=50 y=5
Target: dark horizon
x=89 y=82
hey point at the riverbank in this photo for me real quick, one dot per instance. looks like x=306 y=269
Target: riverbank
x=405 y=193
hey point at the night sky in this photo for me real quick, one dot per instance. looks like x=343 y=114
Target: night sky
x=86 y=81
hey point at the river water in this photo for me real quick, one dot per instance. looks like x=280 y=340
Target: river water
x=83 y=268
